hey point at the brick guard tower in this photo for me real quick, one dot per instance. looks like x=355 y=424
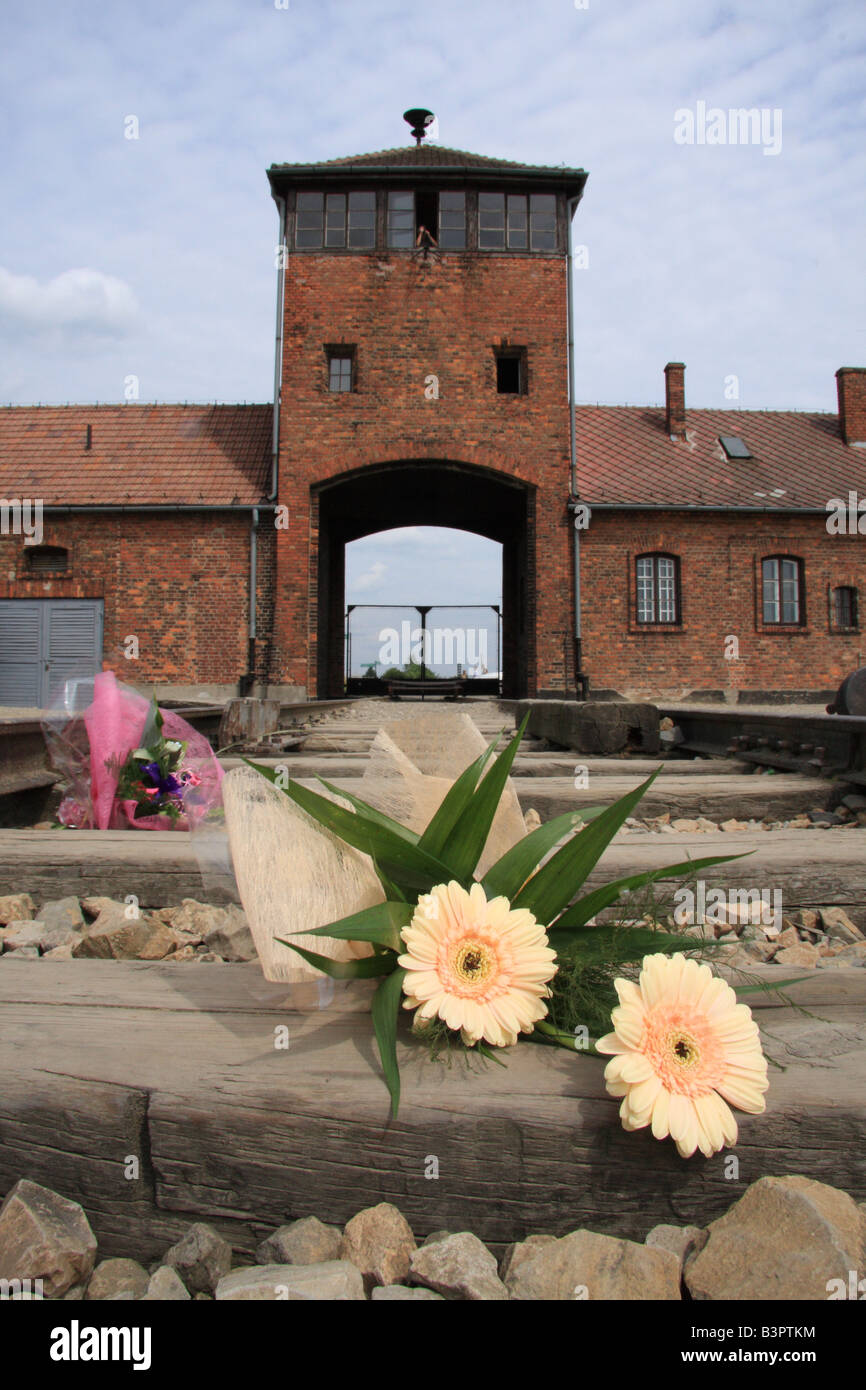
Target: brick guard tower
x=422 y=380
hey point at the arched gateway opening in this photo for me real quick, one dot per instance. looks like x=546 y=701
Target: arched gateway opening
x=433 y=493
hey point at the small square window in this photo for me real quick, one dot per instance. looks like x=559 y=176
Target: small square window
x=341 y=373
x=734 y=446
x=511 y=372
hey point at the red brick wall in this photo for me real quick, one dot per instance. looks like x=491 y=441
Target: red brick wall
x=721 y=595
x=179 y=583
x=409 y=319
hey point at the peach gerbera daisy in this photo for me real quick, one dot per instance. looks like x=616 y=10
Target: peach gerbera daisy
x=683 y=1047
x=480 y=966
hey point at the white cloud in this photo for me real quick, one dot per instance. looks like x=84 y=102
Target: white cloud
x=76 y=300
x=370 y=579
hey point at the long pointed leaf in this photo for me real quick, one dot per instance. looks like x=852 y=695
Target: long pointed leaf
x=363 y=969
x=555 y=884
x=467 y=839
x=614 y=944
x=381 y=843
x=507 y=876
x=580 y=912
x=454 y=804
x=386 y=1010
x=380 y=924
x=371 y=813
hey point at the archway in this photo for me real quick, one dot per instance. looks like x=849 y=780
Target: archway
x=432 y=493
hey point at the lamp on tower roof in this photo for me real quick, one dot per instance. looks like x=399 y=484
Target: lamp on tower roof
x=419 y=120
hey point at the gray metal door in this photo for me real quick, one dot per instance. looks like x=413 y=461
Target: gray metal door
x=45 y=642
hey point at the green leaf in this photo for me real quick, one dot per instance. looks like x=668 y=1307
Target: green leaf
x=152 y=731
x=454 y=804
x=555 y=884
x=769 y=986
x=580 y=912
x=395 y=854
x=363 y=969
x=545 y=1032
x=386 y=1011
x=380 y=924
x=372 y=814
x=611 y=944
x=468 y=837
x=507 y=876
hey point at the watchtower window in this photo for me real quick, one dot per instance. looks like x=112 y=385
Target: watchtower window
x=336 y=219
x=511 y=372
x=341 y=374
x=401 y=219
x=517 y=222
x=452 y=221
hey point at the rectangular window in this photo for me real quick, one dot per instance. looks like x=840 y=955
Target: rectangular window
x=781 y=590
x=362 y=219
x=340 y=371
x=517 y=232
x=845 y=607
x=656 y=577
x=335 y=219
x=542 y=222
x=309 y=219
x=491 y=221
x=401 y=219
x=511 y=372
x=452 y=221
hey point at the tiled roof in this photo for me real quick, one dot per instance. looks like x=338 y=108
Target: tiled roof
x=424 y=155
x=625 y=455
x=217 y=455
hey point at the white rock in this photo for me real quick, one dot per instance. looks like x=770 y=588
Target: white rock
x=460 y=1266
x=332 y=1281
x=45 y=1236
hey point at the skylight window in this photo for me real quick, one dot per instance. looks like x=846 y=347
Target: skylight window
x=734 y=446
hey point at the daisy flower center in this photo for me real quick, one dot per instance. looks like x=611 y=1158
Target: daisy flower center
x=473 y=962
x=683 y=1048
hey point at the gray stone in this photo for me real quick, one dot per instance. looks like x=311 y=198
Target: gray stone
x=304 y=1242
x=784 y=1239
x=838 y=925
x=45 y=1236
x=586 y=1265
x=61 y=952
x=379 y=1241
x=62 y=912
x=166 y=1285
x=458 y=1267
x=231 y=938
x=37 y=933
x=399 y=1293
x=681 y=1241
x=114 y=1278
x=16 y=907
x=436 y=1235
x=201 y=1258
x=23 y=953
x=332 y=1281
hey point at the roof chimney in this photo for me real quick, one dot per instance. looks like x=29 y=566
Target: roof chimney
x=675 y=399
x=851 y=388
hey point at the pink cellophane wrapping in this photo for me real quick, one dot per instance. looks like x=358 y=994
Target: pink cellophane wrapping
x=107 y=732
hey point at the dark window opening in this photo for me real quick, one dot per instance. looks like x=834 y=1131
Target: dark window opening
x=657 y=583
x=47 y=559
x=426 y=219
x=734 y=446
x=511 y=373
x=845 y=607
x=782 y=590
x=341 y=369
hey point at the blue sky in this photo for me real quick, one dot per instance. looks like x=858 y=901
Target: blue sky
x=153 y=257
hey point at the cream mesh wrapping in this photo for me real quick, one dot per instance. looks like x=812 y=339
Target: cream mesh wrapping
x=292 y=875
